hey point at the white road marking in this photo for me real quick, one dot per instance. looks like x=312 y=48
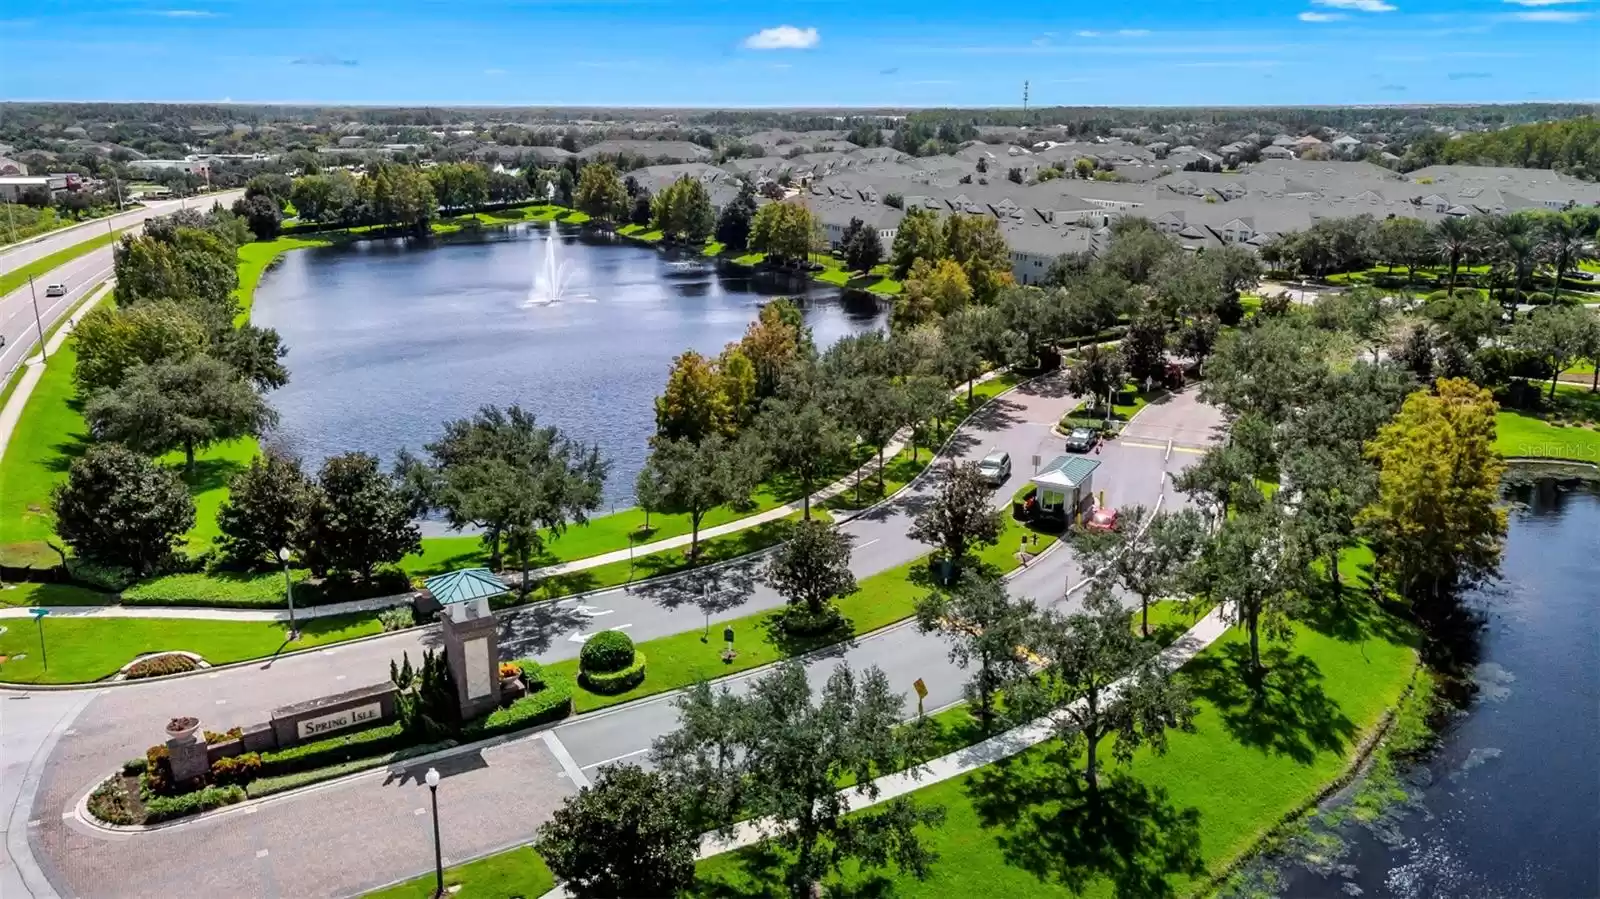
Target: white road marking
x=35 y=822
x=581 y=637
x=592 y=612
x=568 y=765
x=420 y=811
x=868 y=543
x=261 y=853
x=617 y=758
x=222 y=702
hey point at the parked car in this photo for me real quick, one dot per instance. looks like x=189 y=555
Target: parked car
x=1081 y=440
x=56 y=290
x=996 y=468
x=1102 y=520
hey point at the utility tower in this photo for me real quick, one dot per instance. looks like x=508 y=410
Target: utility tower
x=1024 y=96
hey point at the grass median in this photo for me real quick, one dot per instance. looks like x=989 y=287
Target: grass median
x=81 y=650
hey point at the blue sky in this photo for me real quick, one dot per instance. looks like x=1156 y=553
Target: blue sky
x=832 y=53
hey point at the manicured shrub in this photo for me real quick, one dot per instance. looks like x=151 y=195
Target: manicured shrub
x=372 y=741
x=237 y=769
x=611 y=683
x=266 y=786
x=605 y=652
x=135 y=767
x=165 y=808
x=226 y=589
x=158 y=666
x=532 y=673
x=397 y=619
x=552 y=703
x=157 y=777
x=232 y=733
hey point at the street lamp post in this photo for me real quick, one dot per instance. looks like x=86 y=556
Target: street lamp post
x=432 y=780
x=288 y=592
x=44 y=351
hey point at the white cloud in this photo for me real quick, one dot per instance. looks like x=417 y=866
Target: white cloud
x=1543 y=2
x=783 y=37
x=1120 y=32
x=1322 y=16
x=1358 y=5
x=186 y=13
x=1550 y=15
x=1088 y=34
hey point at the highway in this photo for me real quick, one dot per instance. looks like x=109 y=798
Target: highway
x=17 y=322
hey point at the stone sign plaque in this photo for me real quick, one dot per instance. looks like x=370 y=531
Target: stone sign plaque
x=322 y=724
x=478 y=674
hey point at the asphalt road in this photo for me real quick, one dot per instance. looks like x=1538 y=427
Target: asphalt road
x=318 y=843
x=17 y=322
x=15 y=257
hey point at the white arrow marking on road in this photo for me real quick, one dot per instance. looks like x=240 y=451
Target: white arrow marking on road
x=592 y=612
x=580 y=637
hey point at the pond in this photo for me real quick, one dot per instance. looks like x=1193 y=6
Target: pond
x=1508 y=802
x=388 y=339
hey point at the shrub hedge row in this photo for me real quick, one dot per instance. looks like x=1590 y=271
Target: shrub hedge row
x=266 y=786
x=552 y=703
x=610 y=683
x=334 y=750
x=164 y=808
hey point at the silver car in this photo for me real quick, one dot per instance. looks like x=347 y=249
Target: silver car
x=995 y=468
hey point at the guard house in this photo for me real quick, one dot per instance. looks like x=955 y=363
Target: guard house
x=471 y=635
x=1064 y=487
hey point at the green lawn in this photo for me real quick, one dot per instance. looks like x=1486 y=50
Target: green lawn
x=1563 y=429
x=88 y=649
x=1023 y=828
x=30 y=594
x=897 y=472
x=516 y=872
x=17 y=277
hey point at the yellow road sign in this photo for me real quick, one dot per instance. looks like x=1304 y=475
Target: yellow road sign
x=921 y=688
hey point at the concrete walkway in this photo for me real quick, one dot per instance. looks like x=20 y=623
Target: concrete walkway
x=965 y=760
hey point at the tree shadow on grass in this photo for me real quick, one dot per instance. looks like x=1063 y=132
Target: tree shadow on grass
x=759 y=873
x=1050 y=825
x=1287 y=714
x=67 y=451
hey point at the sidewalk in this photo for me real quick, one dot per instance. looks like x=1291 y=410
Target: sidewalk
x=893 y=786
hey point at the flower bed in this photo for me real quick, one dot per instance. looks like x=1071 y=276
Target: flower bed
x=160 y=665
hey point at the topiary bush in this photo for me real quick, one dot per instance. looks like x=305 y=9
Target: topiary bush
x=606 y=652
x=610 y=683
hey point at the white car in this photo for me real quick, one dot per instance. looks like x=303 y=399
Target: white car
x=56 y=290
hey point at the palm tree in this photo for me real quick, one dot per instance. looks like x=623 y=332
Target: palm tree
x=1565 y=244
x=1513 y=247
x=1457 y=239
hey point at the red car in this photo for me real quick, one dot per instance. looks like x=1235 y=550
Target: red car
x=1102 y=520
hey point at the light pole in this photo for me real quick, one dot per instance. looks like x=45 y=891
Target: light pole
x=432 y=780
x=288 y=592
x=44 y=351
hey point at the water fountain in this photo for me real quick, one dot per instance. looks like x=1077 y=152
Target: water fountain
x=550 y=277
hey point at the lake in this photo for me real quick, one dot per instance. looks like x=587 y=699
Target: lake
x=1508 y=803
x=388 y=339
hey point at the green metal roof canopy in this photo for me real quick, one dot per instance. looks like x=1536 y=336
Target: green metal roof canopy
x=465 y=585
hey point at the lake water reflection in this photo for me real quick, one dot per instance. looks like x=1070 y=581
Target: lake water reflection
x=387 y=339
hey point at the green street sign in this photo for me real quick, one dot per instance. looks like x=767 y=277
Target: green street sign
x=38 y=613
